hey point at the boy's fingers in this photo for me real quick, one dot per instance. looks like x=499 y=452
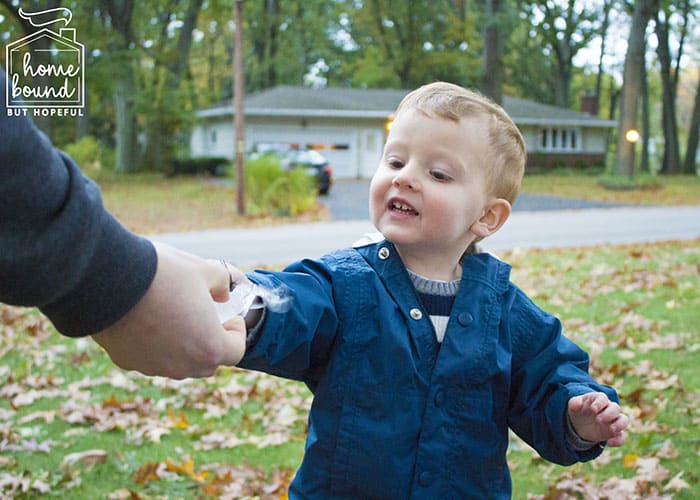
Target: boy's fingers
x=618 y=440
x=576 y=404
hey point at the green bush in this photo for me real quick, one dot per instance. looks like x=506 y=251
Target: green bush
x=272 y=190
x=87 y=153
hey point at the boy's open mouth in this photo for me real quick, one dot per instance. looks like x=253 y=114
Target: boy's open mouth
x=402 y=208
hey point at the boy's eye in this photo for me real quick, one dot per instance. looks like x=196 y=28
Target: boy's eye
x=395 y=163
x=440 y=176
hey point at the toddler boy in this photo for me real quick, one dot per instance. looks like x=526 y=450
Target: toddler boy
x=420 y=352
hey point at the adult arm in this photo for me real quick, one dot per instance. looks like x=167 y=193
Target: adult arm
x=61 y=251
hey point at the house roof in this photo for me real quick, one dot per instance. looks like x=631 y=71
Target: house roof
x=380 y=103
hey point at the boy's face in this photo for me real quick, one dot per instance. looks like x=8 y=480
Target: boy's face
x=430 y=187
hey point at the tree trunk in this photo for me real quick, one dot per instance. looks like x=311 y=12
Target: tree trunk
x=631 y=86
x=671 y=160
x=689 y=165
x=492 y=83
x=603 y=39
x=123 y=94
x=272 y=8
x=123 y=87
x=646 y=128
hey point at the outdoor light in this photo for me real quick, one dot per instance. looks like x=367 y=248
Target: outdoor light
x=632 y=136
x=389 y=122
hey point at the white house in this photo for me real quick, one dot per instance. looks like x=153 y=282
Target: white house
x=348 y=127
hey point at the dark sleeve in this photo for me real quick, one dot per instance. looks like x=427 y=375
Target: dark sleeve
x=60 y=250
x=295 y=342
x=548 y=370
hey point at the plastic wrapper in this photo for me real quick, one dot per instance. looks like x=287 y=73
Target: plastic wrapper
x=247 y=296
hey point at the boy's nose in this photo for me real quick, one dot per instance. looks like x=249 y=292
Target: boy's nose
x=405 y=178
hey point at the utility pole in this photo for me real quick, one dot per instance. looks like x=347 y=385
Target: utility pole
x=238 y=112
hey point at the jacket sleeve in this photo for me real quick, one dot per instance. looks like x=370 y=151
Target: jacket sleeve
x=60 y=250
x=295 y=342
x=547 y=370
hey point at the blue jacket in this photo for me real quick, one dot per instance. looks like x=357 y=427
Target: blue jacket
x=397 y=415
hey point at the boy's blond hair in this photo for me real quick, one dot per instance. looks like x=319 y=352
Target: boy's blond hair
x=505 y=164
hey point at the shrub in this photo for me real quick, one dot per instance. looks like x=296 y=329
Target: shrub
x=87 y=153
x=272 y=190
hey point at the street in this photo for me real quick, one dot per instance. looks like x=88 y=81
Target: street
x=282 y=244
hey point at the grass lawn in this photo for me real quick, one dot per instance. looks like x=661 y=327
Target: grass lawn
x=150 y=203
x=73 y=426
x=672 y=190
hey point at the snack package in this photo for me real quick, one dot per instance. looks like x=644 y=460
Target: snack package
x=247 y=296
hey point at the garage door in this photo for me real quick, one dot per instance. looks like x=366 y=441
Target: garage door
x=338 y=145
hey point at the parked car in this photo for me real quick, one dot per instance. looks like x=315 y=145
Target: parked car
x=314 y=162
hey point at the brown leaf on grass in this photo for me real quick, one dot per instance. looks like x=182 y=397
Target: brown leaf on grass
x=13 y=485
x=177 y=421
x=646 y=483
x=230 y=482
x=46 y=416
x=677 y=484
x=667 y=450
x=147 y=472
x=650 y=470
x=88 y=458
x=186 y=468
x=29 y=445
x=123 y=494
x=667 y=341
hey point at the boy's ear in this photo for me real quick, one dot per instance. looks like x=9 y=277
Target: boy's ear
x=492 y=218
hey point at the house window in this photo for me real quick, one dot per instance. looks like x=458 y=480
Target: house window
x=559 y=139
x=212 y=137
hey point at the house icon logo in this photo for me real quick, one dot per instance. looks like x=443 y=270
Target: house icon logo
x=46 y=69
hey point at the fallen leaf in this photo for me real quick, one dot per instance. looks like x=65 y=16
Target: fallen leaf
x=88 y=458
x=186 y=468
x=629 y=461
x=677 y=484
x=147 y=472
x=667 y=451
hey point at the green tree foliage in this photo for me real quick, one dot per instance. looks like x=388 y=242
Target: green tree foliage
x=405 y=43
x=151 y=64
x=564 y=28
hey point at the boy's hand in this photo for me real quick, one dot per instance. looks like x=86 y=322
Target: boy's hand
x=595 y=418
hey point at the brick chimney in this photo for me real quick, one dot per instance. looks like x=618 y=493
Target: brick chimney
x=589 y=103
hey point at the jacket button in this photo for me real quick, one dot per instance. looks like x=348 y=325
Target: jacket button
x=465 y=319
x=416 y=313
x=384 y=253
x=439 y=399
x=425 y=478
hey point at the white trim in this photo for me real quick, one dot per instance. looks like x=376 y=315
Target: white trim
x=335 y=113
x=564 y=122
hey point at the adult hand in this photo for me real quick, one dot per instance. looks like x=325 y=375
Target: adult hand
x=173 y=330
